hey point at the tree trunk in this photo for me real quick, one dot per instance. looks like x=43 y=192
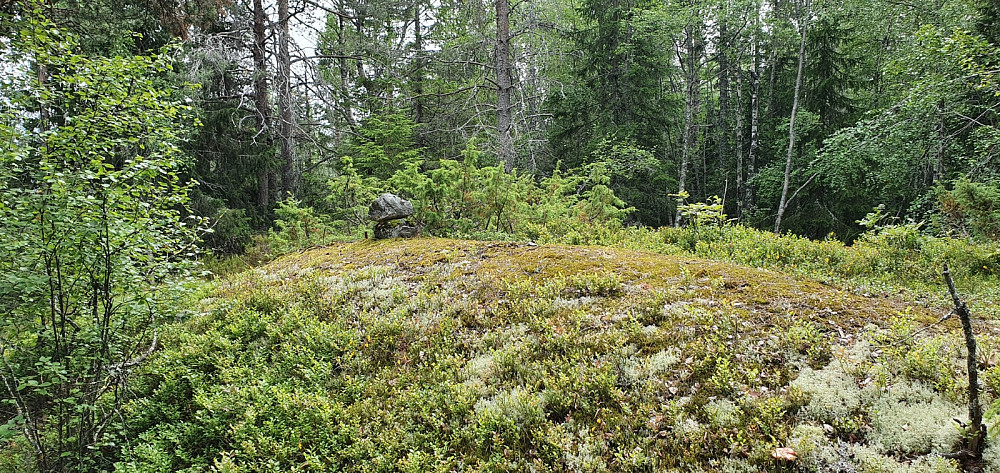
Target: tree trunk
x=782 y=205
x=418 y=71
x=740 y=179
x=692 y=105
x=290 y=172
x=723 y=132
x=346 y=89
x=532 y=88
x=749 y=197
x=937 y=172
x=971 y=457
x=261 y=102
x=772 y=63
x=505 y=148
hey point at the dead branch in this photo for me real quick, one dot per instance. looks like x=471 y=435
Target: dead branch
x=971 y=455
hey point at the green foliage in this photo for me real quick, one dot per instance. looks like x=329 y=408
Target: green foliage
x=923 y=137
x=598 y=284
x=704 y=220
x=91 y=236
x=703 y=214
x=970 y=209
x=599 y=204
x=384 y=144
x=459 y=198
x=614 y=106
x=366 y=371
x=228 y=231
x=452 y=198
x=297 y=227
x=832 y=71
x=806 y=338
x=349 y=197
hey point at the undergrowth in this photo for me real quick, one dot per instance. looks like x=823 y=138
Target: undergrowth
x=444 y=355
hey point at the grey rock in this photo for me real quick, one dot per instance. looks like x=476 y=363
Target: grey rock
x=384 y=230
x=389 y=207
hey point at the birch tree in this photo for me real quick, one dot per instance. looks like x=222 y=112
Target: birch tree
x=805 y=13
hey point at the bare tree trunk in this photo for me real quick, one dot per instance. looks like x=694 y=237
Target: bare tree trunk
x=740 y=179
x=772 y=63
x=531 y=87
x=261 y=102
x=750 y=198
x=782 y=205
x=346 y=91
x=971 y=457
x=505 y=149
x=418 y=70
x=723 y=132
x=290 y=173
x=692 y=105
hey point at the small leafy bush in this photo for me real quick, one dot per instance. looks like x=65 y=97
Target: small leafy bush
x=93 y=240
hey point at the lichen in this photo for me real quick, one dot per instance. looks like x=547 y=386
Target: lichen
x=486 y=356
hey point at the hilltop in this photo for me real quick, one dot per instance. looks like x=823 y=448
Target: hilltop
x=625 y=280
x=445 y=355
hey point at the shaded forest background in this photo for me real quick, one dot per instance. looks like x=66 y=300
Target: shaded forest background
x=890 y=103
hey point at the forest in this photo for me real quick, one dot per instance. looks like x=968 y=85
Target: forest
x=654 y=235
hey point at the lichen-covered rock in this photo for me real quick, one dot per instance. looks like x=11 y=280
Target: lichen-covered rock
x=389 y=207
x=384 y=230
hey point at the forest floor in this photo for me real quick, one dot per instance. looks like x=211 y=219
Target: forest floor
x=438 y=354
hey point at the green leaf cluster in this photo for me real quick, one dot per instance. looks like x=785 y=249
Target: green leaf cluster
x=91 y=234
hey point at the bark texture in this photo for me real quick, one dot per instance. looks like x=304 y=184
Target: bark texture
x=505 y=145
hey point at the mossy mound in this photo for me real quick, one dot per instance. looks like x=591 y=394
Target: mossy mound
x=445 y=355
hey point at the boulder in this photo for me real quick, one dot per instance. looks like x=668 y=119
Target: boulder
x=384 y=230
x=389 y=207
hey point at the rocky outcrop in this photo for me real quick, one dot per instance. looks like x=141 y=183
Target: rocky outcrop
x=385 y=209
x=385 y=230
x=389 y=207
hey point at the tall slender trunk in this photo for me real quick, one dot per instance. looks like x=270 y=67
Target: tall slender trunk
x=346 y=89
x=772 y=62
x=505 y=148
x=783 y=204
x=533 y=90
x=418 y=70
x=723 y=132
x=740 y=179
x=692 y=105
x=941 y=130
x=261 y=101
x=290 y=172
x=418 y=77
x=749 y=198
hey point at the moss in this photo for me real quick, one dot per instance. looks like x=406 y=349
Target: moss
x=630 y=274
x=486 y=356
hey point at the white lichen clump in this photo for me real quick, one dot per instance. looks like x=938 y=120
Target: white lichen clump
x=908 y=425
x=518 y=406
x=481 y=367
x=662 y=361
x=910 y=418
x=834 y=395
x=723 y=413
